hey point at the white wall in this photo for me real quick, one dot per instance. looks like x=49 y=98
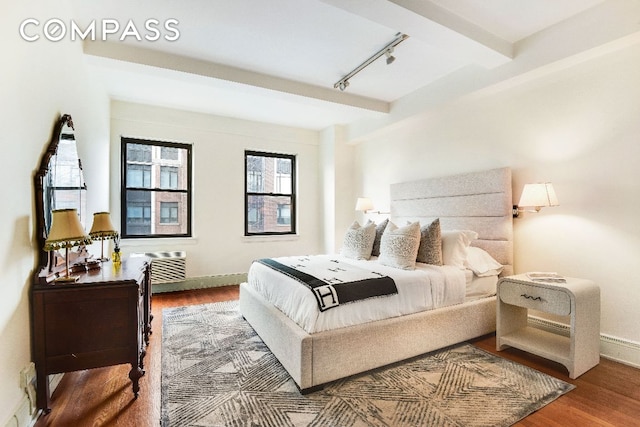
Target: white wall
x=219 y=245
x=578 y=128
x=338 y=191
x=40 y=81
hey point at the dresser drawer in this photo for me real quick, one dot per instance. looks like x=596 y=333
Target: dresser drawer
x=548 y=300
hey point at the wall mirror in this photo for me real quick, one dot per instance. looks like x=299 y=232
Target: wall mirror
x=59 y=184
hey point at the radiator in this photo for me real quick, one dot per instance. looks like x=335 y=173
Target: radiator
x=168 y=267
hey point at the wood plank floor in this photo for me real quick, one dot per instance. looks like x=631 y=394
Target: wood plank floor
x=607 y=395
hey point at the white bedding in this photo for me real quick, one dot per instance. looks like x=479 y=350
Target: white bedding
x=425 y=288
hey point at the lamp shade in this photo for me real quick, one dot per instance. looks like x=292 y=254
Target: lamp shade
x=364 y=204
x=538 y=195
x=66 y=231
x=102 y=227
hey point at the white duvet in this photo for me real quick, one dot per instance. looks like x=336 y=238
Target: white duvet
x=425 y=288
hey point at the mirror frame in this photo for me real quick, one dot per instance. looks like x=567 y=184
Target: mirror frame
x=45 y=258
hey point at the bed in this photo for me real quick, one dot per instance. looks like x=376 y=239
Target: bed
x=479 y=201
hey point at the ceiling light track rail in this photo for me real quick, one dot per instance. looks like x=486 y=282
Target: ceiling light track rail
x=343 y=83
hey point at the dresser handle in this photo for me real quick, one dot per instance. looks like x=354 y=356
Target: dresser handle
x=530 y=297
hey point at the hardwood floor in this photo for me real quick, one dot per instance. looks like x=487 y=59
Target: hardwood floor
x=607 y=395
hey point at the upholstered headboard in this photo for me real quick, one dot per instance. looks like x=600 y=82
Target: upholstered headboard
x=478 y=201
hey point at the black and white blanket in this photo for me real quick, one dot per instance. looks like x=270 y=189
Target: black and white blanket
x=332 y=281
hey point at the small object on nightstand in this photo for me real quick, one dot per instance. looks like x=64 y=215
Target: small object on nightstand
x=540 y=276
x=578 y=299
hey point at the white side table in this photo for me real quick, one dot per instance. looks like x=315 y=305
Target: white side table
x=577 y=298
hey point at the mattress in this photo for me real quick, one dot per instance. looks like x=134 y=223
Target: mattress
x=480 y=287
x=425 y=288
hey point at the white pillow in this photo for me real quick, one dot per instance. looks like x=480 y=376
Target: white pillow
x=399 y=246
x=454 y=246
x=358 y=241
x=481 y=263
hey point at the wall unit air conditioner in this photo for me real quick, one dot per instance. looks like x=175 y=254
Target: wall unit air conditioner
x=168 y=267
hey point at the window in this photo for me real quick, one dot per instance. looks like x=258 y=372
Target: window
x=270 y=193
x=168 y=212
x=168 y=177
x=139 y=176
x=156 y=189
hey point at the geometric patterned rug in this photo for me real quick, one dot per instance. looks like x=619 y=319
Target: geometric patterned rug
x=217 y=372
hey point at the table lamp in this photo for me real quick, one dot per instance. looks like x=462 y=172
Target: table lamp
x=66 y=232
x=103 y=229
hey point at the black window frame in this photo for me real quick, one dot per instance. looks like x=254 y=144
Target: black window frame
x=292 y=195
x=124 y=187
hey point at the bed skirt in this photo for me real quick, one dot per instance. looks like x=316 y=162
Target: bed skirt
x=316 y=359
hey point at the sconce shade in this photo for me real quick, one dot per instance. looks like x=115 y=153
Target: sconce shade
x=538 y=195
x=102 y=227
x=364 y=204
x=66 y=231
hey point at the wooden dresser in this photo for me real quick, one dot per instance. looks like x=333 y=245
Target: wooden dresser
x=102 y=319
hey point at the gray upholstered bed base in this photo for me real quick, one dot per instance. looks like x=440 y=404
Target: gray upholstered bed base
x=477 y=201
x=316 y=359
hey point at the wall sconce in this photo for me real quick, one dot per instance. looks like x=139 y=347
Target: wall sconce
x=536 y=196
x=103 y=229
x=66 y=232
x=365 y=205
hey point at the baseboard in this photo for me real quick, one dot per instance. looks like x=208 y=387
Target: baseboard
x=22 y=415
x=613 y=348
x=201 y=282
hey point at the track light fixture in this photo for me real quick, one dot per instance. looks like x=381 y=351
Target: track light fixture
x=343 y=83
x=390 y=58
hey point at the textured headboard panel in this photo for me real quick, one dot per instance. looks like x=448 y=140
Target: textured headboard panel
x=478 y=201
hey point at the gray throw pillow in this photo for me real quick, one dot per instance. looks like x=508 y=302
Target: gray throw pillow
x=430 y=250
x=376 y=243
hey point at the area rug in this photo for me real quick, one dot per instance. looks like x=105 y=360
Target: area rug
x=217 y=372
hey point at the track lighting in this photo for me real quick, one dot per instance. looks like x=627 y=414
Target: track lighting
x=343 y=83
x=390 y=58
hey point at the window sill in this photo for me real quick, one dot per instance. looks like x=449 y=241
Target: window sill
x=156 y=241
x=271 y=238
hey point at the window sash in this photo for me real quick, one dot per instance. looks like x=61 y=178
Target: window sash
x=270 y=193
x=156 y=194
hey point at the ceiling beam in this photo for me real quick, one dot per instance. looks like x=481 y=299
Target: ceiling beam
x=154 y=58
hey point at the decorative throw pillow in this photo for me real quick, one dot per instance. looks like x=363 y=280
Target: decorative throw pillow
x=454 y=246
x=399 y=246
x=430 y=250
x=376 y=243
x=358 y=241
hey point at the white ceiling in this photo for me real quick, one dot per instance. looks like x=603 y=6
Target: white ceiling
x=277 y=60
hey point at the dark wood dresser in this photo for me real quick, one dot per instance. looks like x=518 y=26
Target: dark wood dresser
x=102 y=319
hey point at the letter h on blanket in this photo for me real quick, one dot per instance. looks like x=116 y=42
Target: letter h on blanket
x=324 y=292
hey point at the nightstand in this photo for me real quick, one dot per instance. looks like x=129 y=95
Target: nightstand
x=577 y=298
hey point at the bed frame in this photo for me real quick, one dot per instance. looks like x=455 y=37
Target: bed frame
x=479 y=201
